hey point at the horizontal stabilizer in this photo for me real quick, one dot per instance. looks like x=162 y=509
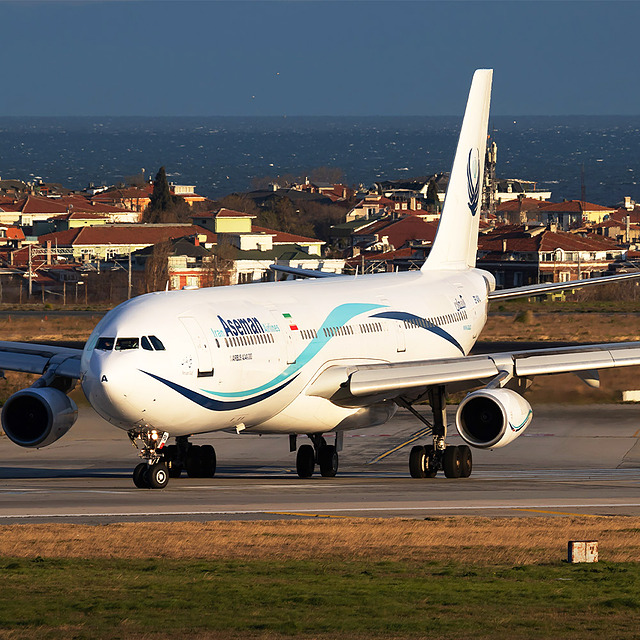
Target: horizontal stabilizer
x=555 y=287
x=303 y=273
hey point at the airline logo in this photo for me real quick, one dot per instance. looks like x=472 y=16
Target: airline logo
x=473 y=180
x=241 y=326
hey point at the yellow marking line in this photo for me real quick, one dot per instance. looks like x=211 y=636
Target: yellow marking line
x=413 y=438
x=304 y=515
x=561 y=513
x=636 y=434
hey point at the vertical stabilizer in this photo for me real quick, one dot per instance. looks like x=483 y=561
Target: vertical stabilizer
x=456 y=242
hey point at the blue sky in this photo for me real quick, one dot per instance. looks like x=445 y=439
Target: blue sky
x=328 y=57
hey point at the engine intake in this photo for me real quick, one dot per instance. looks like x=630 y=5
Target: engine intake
x=492 y=418
x=37 y=417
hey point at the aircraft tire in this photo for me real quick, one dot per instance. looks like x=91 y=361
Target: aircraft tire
x=207 y=461
x=139 y=476
x=194 y=465
x=328 y=460
x=157 y=475
x=170 y=457
x=305 y=461
x=418 y=462
x=466 y=461
x=451 y=462
x=432 y=470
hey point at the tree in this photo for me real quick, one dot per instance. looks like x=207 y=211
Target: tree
x=164 y=206
x=156 y=268
x=217 y=268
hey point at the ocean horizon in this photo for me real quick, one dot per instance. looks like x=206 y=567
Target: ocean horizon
x=224 y=154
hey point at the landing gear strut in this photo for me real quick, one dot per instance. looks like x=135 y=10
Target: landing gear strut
x=426 y=461
x=164 y=462
x=154 y=473
x=325 y=455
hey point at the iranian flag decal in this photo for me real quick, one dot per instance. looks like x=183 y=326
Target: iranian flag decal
x=292 y=325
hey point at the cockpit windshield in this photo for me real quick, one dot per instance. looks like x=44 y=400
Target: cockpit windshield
x=148 y=343
x=105 y=344
x=126 y=344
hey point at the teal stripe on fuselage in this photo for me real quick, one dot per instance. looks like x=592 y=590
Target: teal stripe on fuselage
x=337 y=318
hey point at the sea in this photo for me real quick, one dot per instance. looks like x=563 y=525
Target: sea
x=222 y=155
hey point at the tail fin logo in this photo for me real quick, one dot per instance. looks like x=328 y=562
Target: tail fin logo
x=473 y=180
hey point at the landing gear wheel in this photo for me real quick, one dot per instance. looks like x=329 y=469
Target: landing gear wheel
x=170 y=457
x=418 y=462
x=207 y=461
x=466 y=461
x=432 y=470
x=451 y=462
x=157 y=475
x=194 y=462
x=139 y=476
x=328 y=460
x=305 y=461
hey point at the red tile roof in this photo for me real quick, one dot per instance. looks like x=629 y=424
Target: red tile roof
x=123 y=234
x=519 y=240
x=230 y=213
x=282 y=237
x=572 y=206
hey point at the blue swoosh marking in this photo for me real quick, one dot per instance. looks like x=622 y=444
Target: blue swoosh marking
x=336 y=318
x=217 y=405
x=422 y=323
x=473 y=189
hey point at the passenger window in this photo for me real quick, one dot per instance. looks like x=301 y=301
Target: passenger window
x=146 y=345
x=157 y=344
x=127 y=344
x=105 y=344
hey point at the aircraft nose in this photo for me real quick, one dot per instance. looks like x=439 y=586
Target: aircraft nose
x=109 y=385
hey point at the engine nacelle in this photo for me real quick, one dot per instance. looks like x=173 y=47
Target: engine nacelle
x=492 y=418
x=38 y=416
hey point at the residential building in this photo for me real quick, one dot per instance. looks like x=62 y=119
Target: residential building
x=521 y=255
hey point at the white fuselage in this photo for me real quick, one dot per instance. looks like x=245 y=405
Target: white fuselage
x=241 y=357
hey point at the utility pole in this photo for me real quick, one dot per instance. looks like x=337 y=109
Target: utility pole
x=129 y=277
x=30 y=273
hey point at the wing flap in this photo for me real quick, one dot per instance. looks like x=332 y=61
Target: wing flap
x=375 y=379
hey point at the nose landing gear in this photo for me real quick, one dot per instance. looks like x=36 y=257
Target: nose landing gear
x=154 y=473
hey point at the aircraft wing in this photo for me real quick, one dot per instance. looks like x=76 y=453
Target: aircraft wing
x=38 y=358
x=552 y=287
x=388 y=381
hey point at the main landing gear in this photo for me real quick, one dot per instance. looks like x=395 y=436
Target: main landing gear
x=426 y=461
x=164 y=462
x=325 y=455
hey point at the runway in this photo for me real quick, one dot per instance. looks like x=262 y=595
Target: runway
x=582 y=460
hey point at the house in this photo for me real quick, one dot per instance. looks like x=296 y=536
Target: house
x=369 y=207
x=571 y=214
x=509 y=189
x=520 y=255
x=389 y=233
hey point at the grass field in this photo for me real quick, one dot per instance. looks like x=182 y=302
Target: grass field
x=439 y=578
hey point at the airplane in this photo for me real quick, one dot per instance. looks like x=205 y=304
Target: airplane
x=309 y=357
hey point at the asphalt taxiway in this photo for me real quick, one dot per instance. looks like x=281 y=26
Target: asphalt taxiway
x=571 y=460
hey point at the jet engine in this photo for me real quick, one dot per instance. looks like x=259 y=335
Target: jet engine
x=492 y=418
x=38 y=416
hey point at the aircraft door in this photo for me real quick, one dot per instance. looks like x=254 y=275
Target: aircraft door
x=203 y=350
x=397 y=328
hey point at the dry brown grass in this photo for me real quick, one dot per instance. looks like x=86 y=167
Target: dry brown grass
x=474 y=540
x=562 y=327
x=47 y=327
